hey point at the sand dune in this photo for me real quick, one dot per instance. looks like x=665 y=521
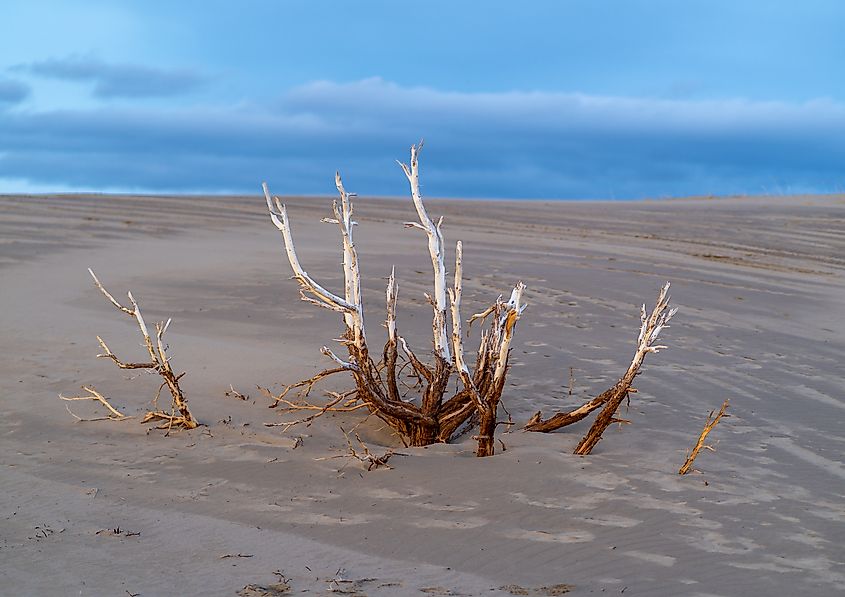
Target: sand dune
x=108 y=508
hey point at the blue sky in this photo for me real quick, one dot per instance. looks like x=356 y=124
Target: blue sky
x=559 y=99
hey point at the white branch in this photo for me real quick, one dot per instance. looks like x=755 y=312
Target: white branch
x=134 y=312
x=351 y=274
x=511 y=313
x=279 y=216
x=392 y=293
x=457 y=336
x=346 y=365
x=435 y=249
x=108 y=295
x=651 y=326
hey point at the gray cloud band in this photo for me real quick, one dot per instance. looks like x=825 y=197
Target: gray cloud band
x=487 y=145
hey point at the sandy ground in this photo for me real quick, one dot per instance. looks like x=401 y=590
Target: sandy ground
x=109 y=508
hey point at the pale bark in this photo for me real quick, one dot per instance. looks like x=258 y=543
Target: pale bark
x=436 y=252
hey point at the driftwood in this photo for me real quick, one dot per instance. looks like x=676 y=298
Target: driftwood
x=699 y=445
x=179 y=416
x=430 y=416
x=623 y=386
x=650 y=328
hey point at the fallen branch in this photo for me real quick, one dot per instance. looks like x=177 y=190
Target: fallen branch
x=94 y=395
x=699 y=445
x=650 y=328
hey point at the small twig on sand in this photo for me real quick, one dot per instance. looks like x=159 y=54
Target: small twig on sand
x=371 y=460
x=233 y=393
x=699 y=445
x=97 y=397
x=349 y=400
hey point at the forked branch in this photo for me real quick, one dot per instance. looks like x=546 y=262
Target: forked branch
x=485 y=386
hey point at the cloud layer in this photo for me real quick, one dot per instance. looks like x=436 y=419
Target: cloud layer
x=118 y=80
x=12 y=92
x=517 y=144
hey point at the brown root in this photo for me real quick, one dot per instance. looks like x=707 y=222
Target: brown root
x=306 y=384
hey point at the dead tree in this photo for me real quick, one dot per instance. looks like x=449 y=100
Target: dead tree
x=650 y=329
x=699 y=444
x=179 y=416
x=431 y=417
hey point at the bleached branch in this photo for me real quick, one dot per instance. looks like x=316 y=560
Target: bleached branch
x=279 y=217
x=345 y=364
x=436 y=251
x=457 y=335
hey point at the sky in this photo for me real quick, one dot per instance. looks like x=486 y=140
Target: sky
x=586 y=99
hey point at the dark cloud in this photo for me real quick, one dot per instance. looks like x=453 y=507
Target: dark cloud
x=119 y=80
x=12 y=92
x=479 y=145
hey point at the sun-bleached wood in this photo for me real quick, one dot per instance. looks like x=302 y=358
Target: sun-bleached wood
x=436 y=252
